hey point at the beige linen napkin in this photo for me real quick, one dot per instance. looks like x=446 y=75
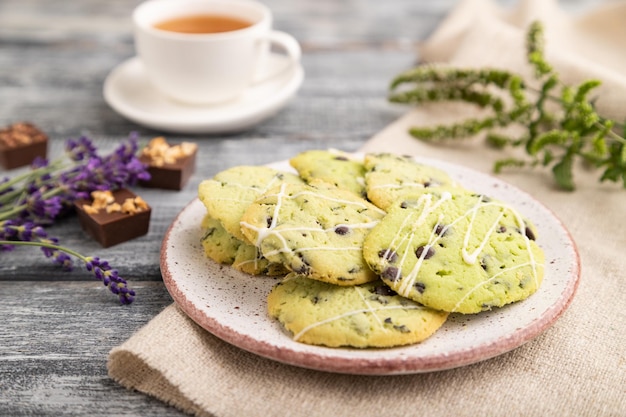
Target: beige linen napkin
x=576 y=368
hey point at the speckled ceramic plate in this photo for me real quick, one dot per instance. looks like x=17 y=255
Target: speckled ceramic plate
x=232 y=305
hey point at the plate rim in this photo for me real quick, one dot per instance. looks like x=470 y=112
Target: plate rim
x=323 y=361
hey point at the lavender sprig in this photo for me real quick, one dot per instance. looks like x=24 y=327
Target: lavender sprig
x=37 y=198
x=50 y=189
x=13 y=233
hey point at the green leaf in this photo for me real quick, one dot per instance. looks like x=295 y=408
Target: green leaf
x=611 y=174
x=553 y=137
x=506 y=163
x=423 y=133
x=547 y=158
x=599 y=145
x=563 y=173
x=498 y=141
x=567 y=96
x=585 y=88
x=550 y=84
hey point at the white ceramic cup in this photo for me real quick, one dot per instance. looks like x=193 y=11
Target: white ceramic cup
x=210 y=67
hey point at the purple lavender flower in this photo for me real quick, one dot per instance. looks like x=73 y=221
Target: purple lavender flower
x=7 y=191
x=39 y=208
x=119 y=169
x=59 y=257
x=39 y=162
x=6 y=229
x=110 y=278
x=137 y=170
x=16 y=230
x=56 y=253
x=80 y=149
x=13 y=233
x=49 y=190
x=122 y=166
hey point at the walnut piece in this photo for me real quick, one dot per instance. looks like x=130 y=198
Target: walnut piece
x=160 y=152
x=104 y=200
x=20 y=134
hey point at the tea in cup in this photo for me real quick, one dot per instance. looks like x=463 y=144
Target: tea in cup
x=206 y=51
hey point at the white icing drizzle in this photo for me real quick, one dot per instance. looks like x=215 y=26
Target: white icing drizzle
x=408 y=281
x=480 y=284
x=249 y=261
x=270 y=184
x=361 y=204
x=427 y=208
x=522 y=227
x=371 y=309
x=279 y=203
x=266 y=231
x=257 y=189
x=470 y=258
x=398 y=244
x=285 y=249
x=257 y=258
x=297 y=336
x=367 y=225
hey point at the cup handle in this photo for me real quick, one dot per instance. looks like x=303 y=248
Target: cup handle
x=289 y=45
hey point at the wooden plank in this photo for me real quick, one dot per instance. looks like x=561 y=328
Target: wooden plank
x=54 y=343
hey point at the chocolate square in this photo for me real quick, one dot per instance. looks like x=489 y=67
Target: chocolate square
x=110 y=229
x=169 y=176
x=20 y=144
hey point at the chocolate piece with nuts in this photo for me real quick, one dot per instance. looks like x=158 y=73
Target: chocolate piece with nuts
x=170 y=166
x=113 y=217
x=20 y=144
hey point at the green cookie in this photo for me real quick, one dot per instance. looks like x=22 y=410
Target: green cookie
x=457 y=253
x=315 y=230
x=335 y=167
x=224 y=248
x=229 y=193
x=390 y=177
x=363 y=316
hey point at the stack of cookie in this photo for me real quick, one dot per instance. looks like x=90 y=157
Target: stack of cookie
x=376 y=250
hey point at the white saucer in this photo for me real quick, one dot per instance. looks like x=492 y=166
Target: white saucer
x=130 y=94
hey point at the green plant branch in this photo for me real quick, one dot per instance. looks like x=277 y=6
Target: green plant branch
x=551 y=137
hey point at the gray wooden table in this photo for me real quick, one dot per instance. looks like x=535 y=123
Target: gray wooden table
x=57 y=327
